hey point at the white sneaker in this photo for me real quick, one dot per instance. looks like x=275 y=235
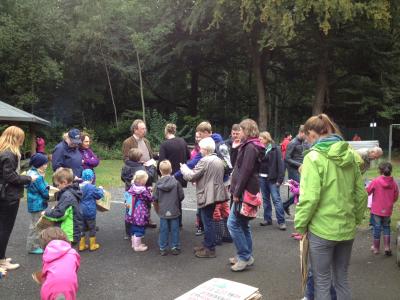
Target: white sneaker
x=7 y=265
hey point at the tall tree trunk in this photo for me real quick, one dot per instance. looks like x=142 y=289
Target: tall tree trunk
x=194 y=90
x=322 y=85
x=141 y=86
x=261 y=94
x=109 y=85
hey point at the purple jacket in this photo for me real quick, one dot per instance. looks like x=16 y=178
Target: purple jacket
x=90 y=160
x=141 y=202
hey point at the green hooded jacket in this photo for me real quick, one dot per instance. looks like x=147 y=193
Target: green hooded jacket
x=332 y=194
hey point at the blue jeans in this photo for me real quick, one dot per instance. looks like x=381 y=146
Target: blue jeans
x=206 y=214
x=379 y=224
x=270 y=190
x=294 y=175
x=165 y=226
x=239 y=228
x=138 y=231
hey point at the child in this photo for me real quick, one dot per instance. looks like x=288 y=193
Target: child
x=88 y=208
x=138 y=210
x=37 y=196
x=67 y=210
x=384 y=192
x=132 y=165
x=58 y=277
x=168 y=195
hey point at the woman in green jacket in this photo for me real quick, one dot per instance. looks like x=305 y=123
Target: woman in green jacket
x=332 y=203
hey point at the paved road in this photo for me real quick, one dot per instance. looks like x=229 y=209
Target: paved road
x=116 y=272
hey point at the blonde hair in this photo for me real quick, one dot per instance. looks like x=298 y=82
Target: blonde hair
x=170 y=128
x=266 y=135
x=321 y=124
x=51 y=234
x=140 y=176
x=63 y=174
x=11 y=139
x=135 y=154
x=249 y=128
x=204 y=127
x=165 y=167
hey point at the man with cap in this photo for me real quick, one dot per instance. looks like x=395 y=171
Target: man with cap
x=66 y=153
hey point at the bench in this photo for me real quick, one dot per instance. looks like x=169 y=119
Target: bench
x=363 y=144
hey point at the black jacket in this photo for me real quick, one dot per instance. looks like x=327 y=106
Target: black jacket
x=13 y=182
x=128 y=170
x=294 y=152
x=68 y=201
x=272 y=164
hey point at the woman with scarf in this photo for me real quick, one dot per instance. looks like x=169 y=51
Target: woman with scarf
x=332 y=203
x=244 y=178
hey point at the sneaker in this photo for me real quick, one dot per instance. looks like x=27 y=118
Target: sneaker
x=234 y=260
x=36 y=251
x=240 y=265
x=4 y=264
x=199 y=232
x=205 y=253
x=163 y=252
x=151 y=225
x=282 y=226
x=197 y=248
x=175 y=251
x=265 y=223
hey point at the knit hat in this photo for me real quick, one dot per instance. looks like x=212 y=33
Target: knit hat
x=38 y=159
x=87 y=175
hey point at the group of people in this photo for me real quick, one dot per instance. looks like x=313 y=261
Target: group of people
x=233 y=178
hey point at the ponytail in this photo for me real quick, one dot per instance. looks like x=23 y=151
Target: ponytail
x=322 y=125
x=385 y=168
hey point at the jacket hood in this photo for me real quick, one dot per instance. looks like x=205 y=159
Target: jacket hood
x=136 y=189
x=166 y=183
x=387 y=182
x=335 y=149
x=255 y=141
x=56 y=249
x=74 y=189
x=217 y=137
x=131 y=163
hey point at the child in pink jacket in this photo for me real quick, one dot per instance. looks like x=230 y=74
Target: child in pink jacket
x=61 y=262
x=384 y=192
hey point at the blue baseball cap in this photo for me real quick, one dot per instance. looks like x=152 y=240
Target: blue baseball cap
x=75 y=136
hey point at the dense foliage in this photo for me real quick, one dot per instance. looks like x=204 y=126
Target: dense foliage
x=90 y=63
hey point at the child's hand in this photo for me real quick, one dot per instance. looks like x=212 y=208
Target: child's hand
x=42 y=213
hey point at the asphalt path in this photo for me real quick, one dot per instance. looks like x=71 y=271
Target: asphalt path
x=116 y=272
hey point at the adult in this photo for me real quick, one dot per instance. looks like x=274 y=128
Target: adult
x=233 y=142
x=285 y=142
x=365 y=156
x=208 y=174
x=89 y=159
x=294 y=159
x=138 y=140
x=271 y=178
x=356 y=138
x=332 y=202
x=177 y=152
x=66 y=153
x=244 y=178
x=11 y=187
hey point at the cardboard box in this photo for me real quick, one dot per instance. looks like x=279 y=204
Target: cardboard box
x=104 y=204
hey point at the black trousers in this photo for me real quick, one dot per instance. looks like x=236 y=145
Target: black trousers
x=8 y=214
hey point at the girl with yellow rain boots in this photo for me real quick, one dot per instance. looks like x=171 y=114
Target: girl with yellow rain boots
x=91 y=194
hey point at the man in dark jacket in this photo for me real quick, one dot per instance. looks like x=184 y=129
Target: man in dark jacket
x=294 y=160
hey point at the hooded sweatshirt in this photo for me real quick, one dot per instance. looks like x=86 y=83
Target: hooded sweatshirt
x=168 y=194
x=385 y=193
x=332 y=195
x=141 y=202
x=60 y=268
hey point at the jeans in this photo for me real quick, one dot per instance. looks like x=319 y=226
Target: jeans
x=330 y=258
x=239 y=229
x=138 y=231
x=206 y=214
x=269 y=190
x=165 y=226
x=8 y=214
x=379 y=224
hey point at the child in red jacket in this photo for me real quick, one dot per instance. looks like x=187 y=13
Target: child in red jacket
x=384 y=192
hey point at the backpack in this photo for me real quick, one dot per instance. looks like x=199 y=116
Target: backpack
x=222 y=151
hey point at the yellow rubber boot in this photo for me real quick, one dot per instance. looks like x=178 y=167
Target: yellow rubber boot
x=82 y=244
x=92 y=244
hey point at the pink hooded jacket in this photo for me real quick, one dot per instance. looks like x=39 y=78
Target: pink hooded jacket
x=60 y=268
x=384 y=192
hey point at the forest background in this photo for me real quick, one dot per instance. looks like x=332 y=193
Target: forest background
x=99 y=64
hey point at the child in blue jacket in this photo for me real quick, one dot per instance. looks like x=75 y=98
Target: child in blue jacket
x=88 y=208
x=38 y=195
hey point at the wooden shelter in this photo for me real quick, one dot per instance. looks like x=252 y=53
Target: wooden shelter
x=12 y=115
